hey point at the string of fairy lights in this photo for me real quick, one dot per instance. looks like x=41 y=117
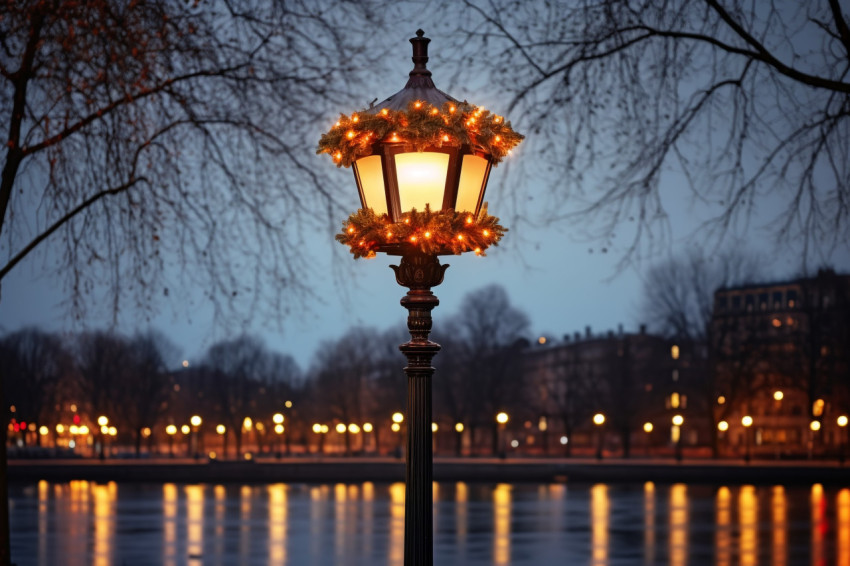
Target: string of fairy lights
x=420 y=126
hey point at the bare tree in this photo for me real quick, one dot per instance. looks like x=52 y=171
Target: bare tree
x=678 y=292
x=490 y=334
x=147 y=135
x=746 y=103
x=145 y=387
x=32 y=364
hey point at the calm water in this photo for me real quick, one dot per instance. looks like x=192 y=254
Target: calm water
x=114 y=524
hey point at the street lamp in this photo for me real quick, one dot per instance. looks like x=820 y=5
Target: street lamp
x=599 y=420
x=278 y=419
x=678 y=421
x=221 y=430
x=102 y=422
x=502 y=420
x=647 y=428
x=841 y=421
x=459 y=439
x=747 y=421
x=196 y=421
x=421 y=162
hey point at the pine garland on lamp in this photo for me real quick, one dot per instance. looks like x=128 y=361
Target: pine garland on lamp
x=441 y=232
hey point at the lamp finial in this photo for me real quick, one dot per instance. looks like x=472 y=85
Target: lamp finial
x=420 y=54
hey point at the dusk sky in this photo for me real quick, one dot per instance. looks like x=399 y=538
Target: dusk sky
x=561 y=280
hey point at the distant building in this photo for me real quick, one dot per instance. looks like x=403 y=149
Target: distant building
x=780 y=355
x=631 y=378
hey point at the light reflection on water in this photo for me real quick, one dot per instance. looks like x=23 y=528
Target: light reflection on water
x=83 y=523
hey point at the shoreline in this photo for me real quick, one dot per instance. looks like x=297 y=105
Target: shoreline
x=511 y=470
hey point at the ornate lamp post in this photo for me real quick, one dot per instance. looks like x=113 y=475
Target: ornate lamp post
x=747 y=422
x=421 y=162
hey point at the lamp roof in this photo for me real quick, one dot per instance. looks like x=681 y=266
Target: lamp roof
x=420 y=86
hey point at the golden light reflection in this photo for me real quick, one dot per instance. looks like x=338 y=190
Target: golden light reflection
x=368 y=506
x=649 y=523
x=599 y=517
x=842 y=527
x=43 y=517
x=277 y=523
x=779 y=526
x=318 y=506
x=104 y=522
x=340 y=520
x=220 y=495
x=748 y=513
x=245 y=505
x=678 y=524
x=194 y=520
x=819 y=523
x=723 y=527
x=396 y=550
x=461 y=516
x=169 y=527
x=502 y=524
x=78 y=530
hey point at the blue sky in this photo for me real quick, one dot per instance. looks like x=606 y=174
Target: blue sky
x=563 y=282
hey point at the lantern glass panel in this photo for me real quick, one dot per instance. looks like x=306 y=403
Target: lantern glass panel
x=421 y=179
x=370 y=177
x=473 y=174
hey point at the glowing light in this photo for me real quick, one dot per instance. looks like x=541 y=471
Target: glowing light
x=171 y=430
x=351 y=229
x=185 y=429
x=841 y=420
x=417 y=104
x=564 y=440
x=514 y=443
x=221 y=429
x=815 y=426
x=398 y=417
x=112 y=431
x=367 y=427
x=502 y=418
x=722 y=426
x=459 y=427
x=469 y=220
x=747 y=420
x=146 y=432
x=497 y=139
x=427 y=234
x=778 y=395
x=317 y=428
x=541 y=340
x=446 y=137
x=355 y=118
x=647 y=427
x=353 y=428
x=674 y=352
x=247 y=424
x=350 y=134
x=721 y=400
x=384 y=112
x=102 y=421
x=395 y=427
x=185 y=363
x=288 y=404
x=43 y=430
x=104 y=429
x=83 y=429
x=452 y=109
x=195 y=420
x=460 y=237
x=340 y=428
x=278 y=429
x=60 y=428
x=598 y=419
x=678 y=420
x=486 y=232
x=434 y=427
x=277 y=418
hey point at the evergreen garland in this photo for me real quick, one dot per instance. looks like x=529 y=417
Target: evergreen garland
x=421 y=126
x=431 y=232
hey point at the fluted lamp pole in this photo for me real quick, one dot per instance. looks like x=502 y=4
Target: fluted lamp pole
x=421 y=162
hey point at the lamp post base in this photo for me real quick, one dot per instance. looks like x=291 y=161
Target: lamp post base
x=419 y=273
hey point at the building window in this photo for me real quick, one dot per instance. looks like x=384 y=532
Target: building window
x=749 y=302
x=736 y=302
x=777 y=323
x=674 y=352
x=763 y=301
x=792 y=298
x=722 y=303
x=777 y=300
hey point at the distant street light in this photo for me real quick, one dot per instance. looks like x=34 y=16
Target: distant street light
x=599 y=420
x=678 y=420
x=747 y=421
x=278 y=430
x=458 y=439
x=103 y=423
x=196 y=421
x=841 y=421
x=502 y=420
x=778 y=395
x=647 y=428
x=171 y=430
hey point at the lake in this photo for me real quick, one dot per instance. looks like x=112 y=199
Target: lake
x=135 y=524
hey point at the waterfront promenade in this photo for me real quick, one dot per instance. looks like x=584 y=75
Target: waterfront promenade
x=338 y=469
